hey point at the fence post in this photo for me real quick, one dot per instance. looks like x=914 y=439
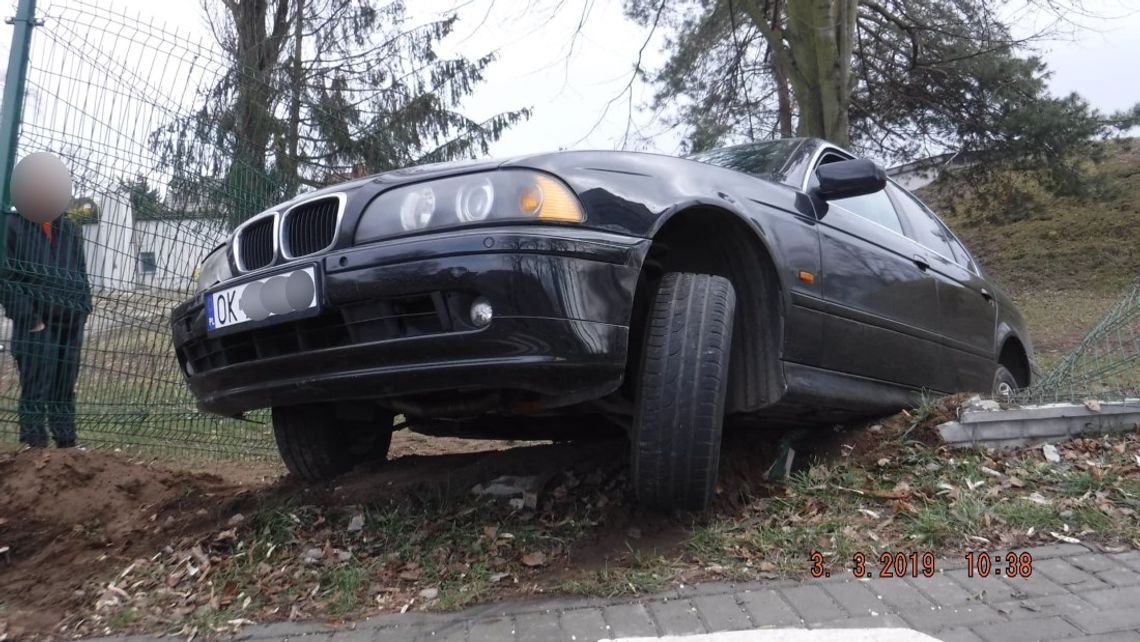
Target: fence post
x=13 y=104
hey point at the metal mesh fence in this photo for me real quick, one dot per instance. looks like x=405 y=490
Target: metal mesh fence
x=110 y=93
x=1105 y=366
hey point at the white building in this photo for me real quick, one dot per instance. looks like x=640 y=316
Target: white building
x=127 y=254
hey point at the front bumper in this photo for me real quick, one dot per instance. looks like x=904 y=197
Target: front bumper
x=394 y=323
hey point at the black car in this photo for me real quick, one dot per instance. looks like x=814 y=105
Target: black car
x=782 y=282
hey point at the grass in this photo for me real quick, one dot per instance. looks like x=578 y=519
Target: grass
x=1064 y=243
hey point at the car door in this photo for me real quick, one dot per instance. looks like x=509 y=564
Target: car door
x=967 y=307
x=881 y=299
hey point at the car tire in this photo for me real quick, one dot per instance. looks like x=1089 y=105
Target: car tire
x=1005 y=384
x=679 y=409
x=316 y=445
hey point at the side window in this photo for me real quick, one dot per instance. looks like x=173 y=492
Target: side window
x=876 y=207
x=930 y=231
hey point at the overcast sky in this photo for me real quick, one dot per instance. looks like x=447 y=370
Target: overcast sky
x=578 y=89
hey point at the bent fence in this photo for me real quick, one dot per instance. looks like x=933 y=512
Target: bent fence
x=110 y=95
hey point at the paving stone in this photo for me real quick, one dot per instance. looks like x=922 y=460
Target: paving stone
x=960 y=634
x=1058 y=550
x=629 y=621
x=676 y=617
x=984 y=589
x=708 y=588
x=942 y=589
x=1036 y=585
x=768 y=609
x=583 y=624
x=1094 y=563
x=1036 y=607
x=1047 y=628
x=491 y=630
x=1130 y=636
x=899 y=594
x=452 y=632
x=933 y=619
x=1107 y=621
x=1131 y=559
x=722 y=613
x=812 y=603
x=1067 y=575
x=537 y=627
x=1114 y=598
x=866 y=622
x=855 y=597
x=288 y=630
x=1119 y=576
x=359 y=635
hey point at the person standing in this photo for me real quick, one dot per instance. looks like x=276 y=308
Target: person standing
x=46 y=294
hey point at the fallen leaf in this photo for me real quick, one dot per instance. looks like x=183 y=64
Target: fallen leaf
x=534 y=559
x=1093 y=405
x=1064 y=538
x=410 y=575
x=1014 y=481
x=869 y=513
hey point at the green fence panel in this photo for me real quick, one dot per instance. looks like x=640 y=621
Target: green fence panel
x=117 y=99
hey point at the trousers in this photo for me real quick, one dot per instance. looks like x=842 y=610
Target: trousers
x=48 y=362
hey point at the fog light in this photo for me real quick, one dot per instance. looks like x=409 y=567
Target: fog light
x=481 y=312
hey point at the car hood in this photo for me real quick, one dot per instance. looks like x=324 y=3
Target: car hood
x=407 y=175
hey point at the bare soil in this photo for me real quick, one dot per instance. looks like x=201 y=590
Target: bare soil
x=70 y=519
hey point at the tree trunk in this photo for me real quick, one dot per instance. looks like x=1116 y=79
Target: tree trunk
x=257 y=55
x=291 y=162
x=820 y=40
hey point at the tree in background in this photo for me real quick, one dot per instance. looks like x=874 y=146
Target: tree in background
x=318 y=91
x=895 y=79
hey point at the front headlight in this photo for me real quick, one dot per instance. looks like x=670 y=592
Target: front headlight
x=215 y=269
x=463 y=200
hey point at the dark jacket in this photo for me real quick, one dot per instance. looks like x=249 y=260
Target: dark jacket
x=42 y=279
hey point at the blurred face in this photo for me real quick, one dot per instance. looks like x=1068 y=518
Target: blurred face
x=41 y=187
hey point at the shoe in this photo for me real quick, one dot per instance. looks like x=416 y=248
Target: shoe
x=65 y=443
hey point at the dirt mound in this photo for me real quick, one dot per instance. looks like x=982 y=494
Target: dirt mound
x=881 y=439
x=69 y=517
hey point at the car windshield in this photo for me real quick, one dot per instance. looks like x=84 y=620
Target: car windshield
x=767 y=159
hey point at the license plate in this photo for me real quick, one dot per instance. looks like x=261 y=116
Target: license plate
x=267 y=300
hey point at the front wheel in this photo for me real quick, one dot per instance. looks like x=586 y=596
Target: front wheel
x=679 y=410
x=1005 y=384
x=317 y=445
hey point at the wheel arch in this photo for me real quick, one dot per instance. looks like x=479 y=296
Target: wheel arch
x=712 y=239
x=1015 y=358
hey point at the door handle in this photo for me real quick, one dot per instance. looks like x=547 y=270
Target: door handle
x=986 y=295
x=921 y=262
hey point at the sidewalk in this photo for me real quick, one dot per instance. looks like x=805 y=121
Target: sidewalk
x=1073 y=593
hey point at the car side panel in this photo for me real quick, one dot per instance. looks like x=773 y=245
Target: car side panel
x=969 y=321
x=883 y=307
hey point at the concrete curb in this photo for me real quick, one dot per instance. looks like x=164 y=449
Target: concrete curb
x=1034 y=425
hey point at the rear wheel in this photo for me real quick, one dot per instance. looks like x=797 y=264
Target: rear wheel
x=679 y=412
x=1005 y=384
x=317 y=444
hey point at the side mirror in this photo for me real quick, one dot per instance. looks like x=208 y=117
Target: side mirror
x=843 y=179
